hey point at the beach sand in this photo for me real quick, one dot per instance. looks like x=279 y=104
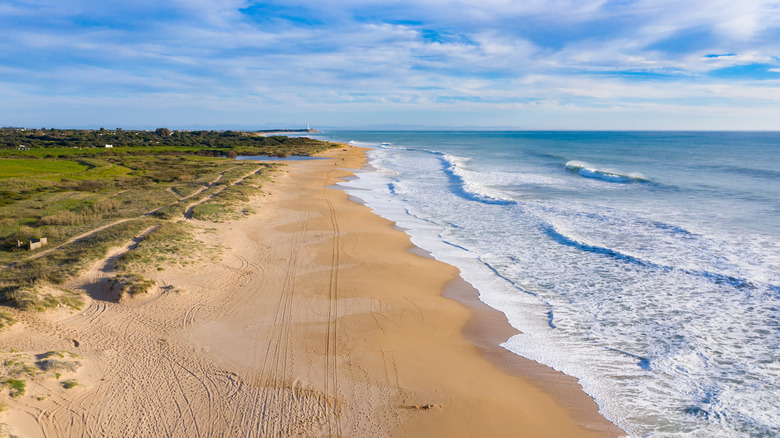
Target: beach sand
x=319 y=320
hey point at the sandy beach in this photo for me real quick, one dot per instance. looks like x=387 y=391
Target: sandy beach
x=319 y=319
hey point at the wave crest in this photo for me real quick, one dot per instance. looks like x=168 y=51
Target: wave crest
x=466 y=187
x=715 y=277
x=586 y=170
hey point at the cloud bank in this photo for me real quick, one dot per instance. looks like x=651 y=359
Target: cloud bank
x=555 y=64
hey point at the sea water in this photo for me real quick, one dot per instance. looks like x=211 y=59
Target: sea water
x=645 y=264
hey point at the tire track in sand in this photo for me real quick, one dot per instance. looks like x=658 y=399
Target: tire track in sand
x=274 y=370
x=270 y=410
x=331 y=382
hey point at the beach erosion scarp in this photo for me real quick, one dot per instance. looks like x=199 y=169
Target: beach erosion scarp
x=317 y=321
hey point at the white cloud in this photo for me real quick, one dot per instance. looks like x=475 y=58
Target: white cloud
x=499 y=54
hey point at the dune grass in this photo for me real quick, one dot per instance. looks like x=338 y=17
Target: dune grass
x=172 y=243
x=70 y=383
x=63 y=192
x=17 y=387
x=131 y=284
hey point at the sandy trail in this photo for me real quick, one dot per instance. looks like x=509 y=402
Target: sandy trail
x=188 y=210
x=316 y=322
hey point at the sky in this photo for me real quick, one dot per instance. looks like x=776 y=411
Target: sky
x=384 y=64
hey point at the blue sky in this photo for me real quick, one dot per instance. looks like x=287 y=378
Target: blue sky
x=531 y=64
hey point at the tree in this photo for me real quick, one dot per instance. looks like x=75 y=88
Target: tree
x=163 y=132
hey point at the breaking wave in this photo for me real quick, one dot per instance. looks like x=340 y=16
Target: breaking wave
x=586 y=170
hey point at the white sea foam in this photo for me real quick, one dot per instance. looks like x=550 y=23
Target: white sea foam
x=470 y=186
x=668 y=321
x=588 y=171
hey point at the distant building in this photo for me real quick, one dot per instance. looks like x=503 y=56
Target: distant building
x=109 y=145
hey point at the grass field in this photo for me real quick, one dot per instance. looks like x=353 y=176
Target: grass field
x=43 y=169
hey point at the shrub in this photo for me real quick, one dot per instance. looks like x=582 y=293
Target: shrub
x=57 y=365
x=133 y=284
x=89 y=185
x=17 y=387
x=6 y=320
x=62 y=217
x=104 y=206
x=40 y=296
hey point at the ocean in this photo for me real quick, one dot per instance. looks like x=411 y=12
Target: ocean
x=645 y=264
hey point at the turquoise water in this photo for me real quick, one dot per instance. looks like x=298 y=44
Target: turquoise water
x=645 y=264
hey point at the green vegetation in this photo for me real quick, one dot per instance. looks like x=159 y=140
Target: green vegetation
x=52 y=361
x=231 y=202
x=6 y=320
x=132 y=284
x=40 y=297
x=32 y=284
x=172 y=243
x=18 y=367
x=228 y=205
x=187 y=189
x=17 y=387
x=63 y=185
x=61 y=354
x=70 y=383
x=65 y=143
x=45 y=169
x=58 y=365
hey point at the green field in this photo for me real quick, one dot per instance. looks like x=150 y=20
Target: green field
x=44 y=169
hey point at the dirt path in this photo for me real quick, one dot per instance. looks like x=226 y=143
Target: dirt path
x=191 y=207
x=78 y=237
x=173 y=192
x=209 y=185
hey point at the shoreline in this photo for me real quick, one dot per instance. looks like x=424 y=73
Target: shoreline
x=488 y=328
x=317 y=321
